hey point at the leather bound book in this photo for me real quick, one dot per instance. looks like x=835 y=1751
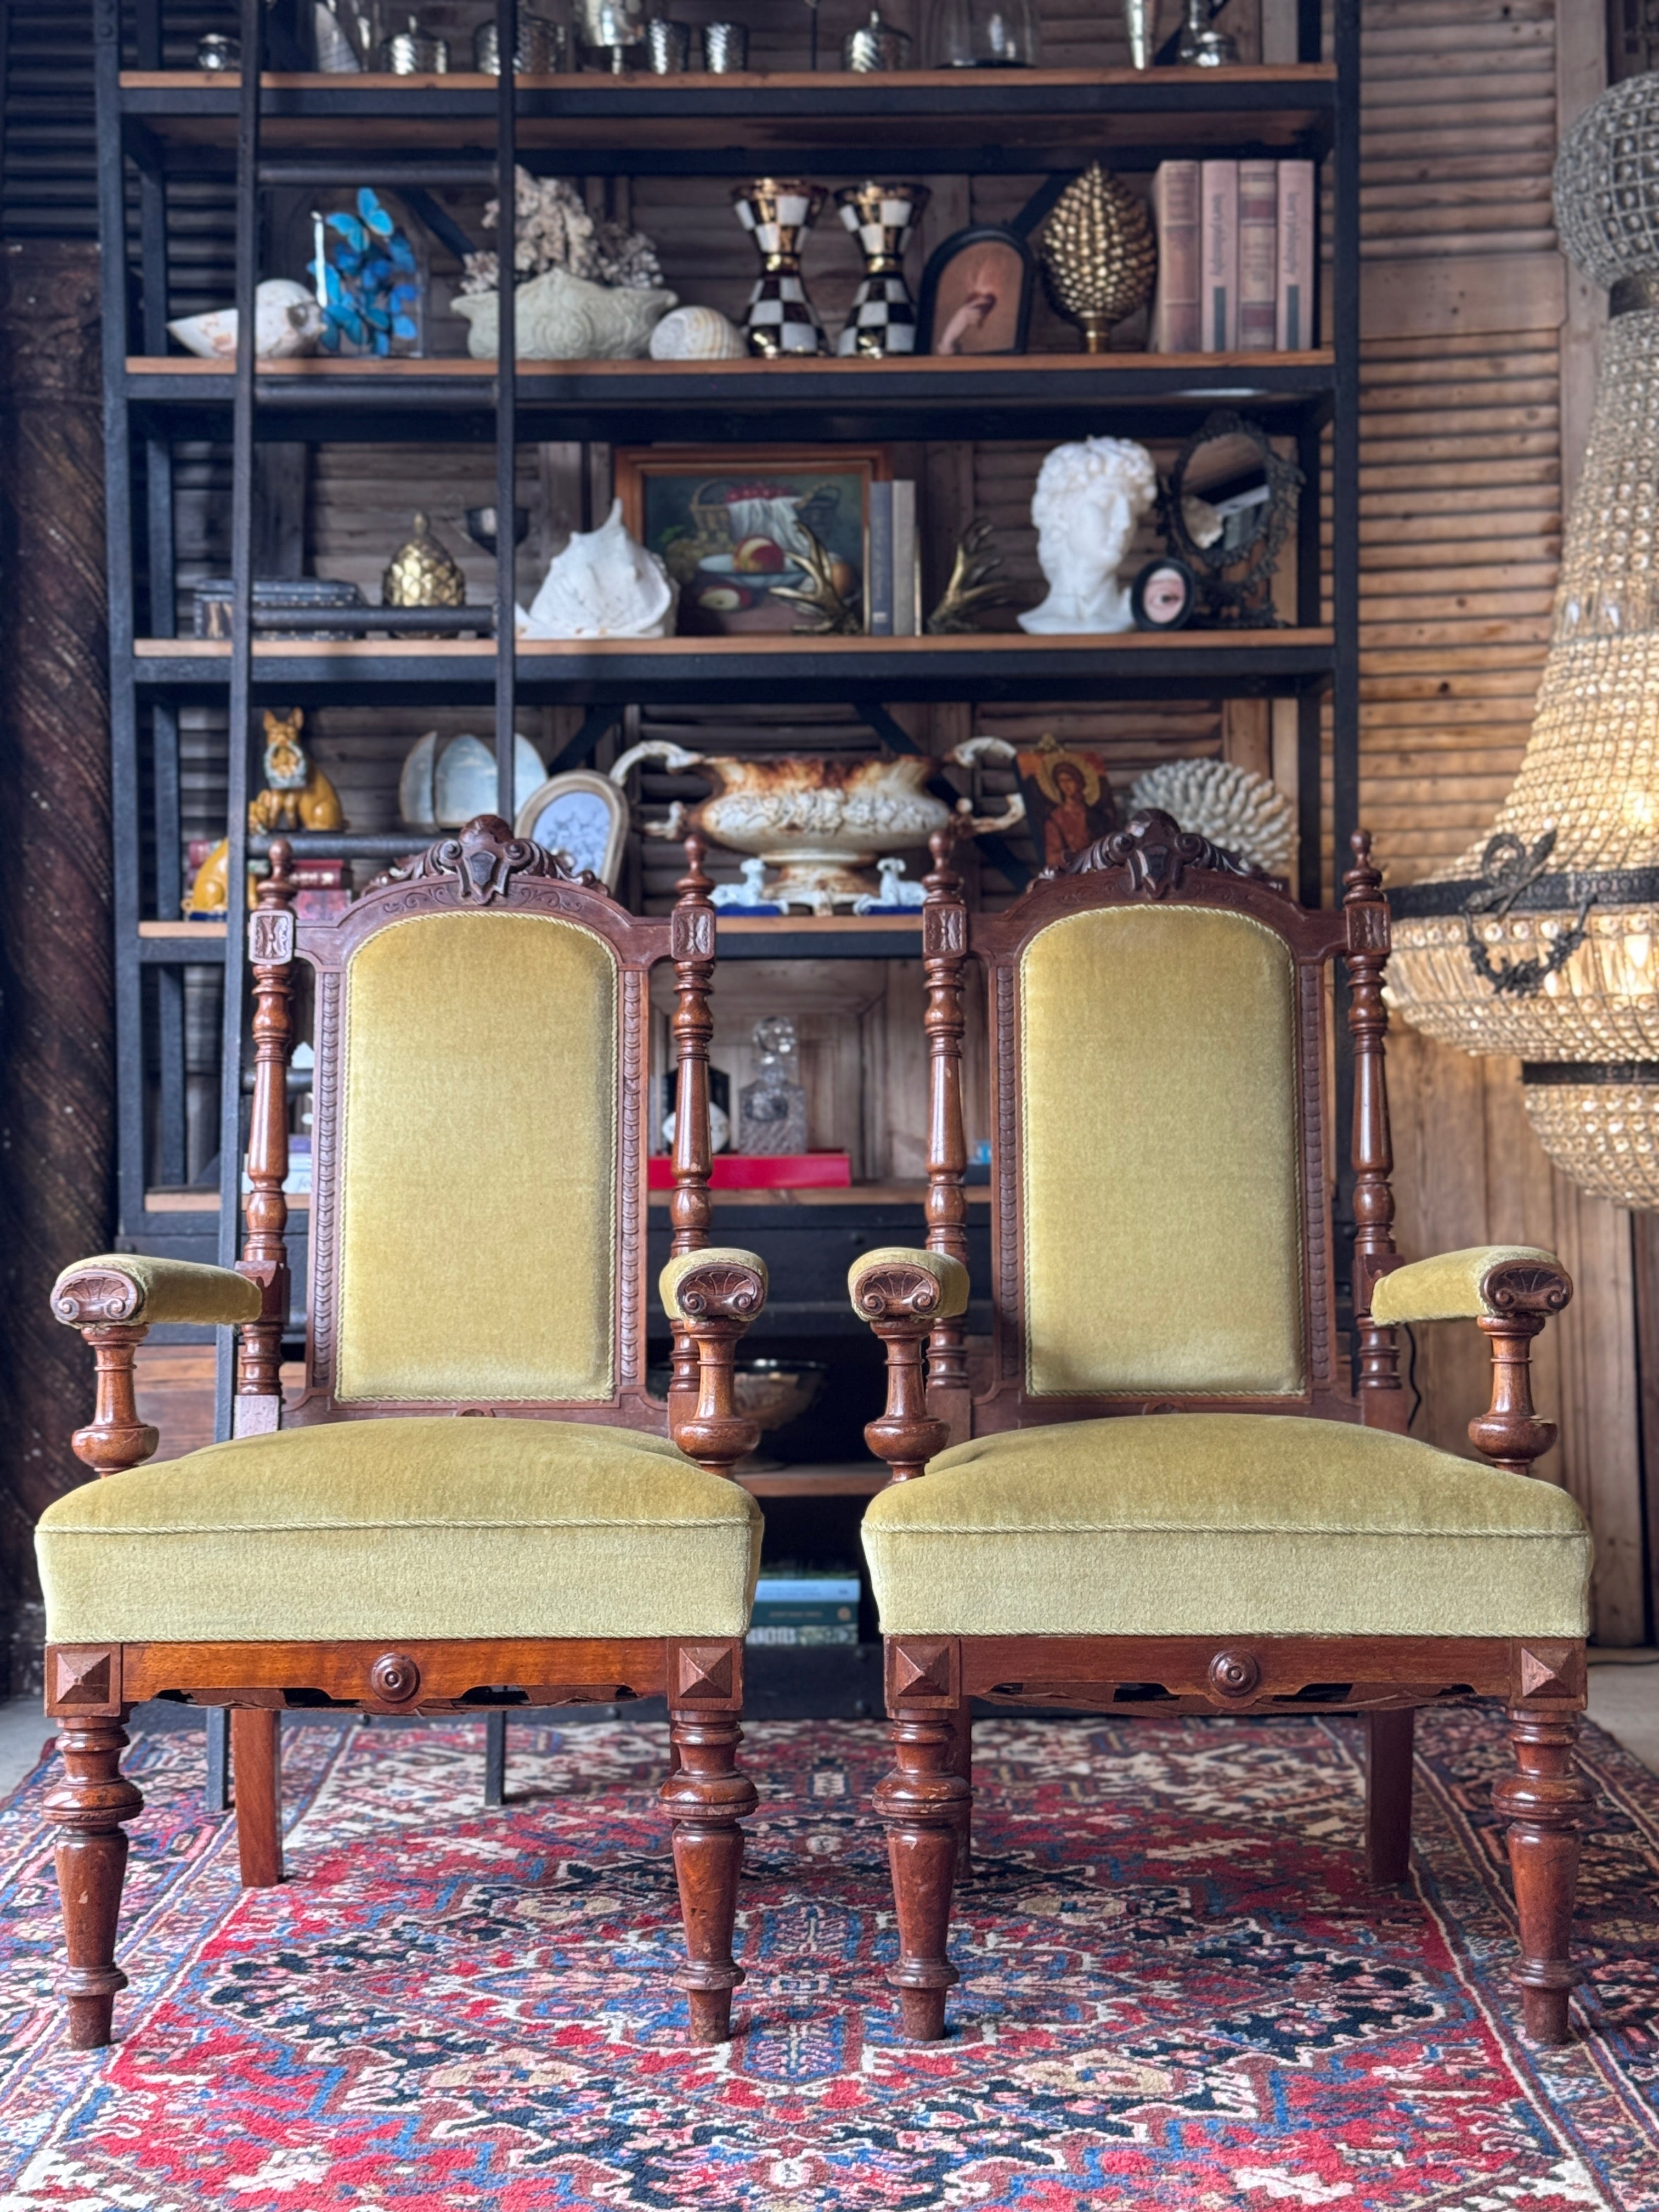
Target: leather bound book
x=1218 y=247
x=1298 y=208
x=1176 y=309
x=1258 y=256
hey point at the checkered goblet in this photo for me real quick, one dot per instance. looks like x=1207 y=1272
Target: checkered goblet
x=883 y=316
x=778 y=212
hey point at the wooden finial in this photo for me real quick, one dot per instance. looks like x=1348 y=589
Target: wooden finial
x=1364 y=880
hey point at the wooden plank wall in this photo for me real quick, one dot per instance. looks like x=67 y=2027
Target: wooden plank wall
x=1475 y=356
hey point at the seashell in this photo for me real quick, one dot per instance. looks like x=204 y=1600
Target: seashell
x=604 y=584
x=564 y=318
x=1234 y=807
x=698 y=334
x=287 y=320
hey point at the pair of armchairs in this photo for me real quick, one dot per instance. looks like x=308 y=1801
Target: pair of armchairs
x=1167 y=1497
x=525 y=1533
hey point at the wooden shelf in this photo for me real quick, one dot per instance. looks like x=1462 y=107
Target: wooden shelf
x=754 y=670
x=962 y=120
x=626 y=402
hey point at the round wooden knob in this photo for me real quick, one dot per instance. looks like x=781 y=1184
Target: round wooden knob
x=1234 y=1673
x=394 y=1678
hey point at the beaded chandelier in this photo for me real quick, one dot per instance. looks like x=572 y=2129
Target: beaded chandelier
x=1543 y=940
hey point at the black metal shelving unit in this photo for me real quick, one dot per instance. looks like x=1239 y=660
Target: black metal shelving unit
x=268 y=130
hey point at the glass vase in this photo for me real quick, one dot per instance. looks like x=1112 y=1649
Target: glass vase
x=987 y=35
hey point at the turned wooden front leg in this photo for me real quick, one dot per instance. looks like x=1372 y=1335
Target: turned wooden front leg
x=706 y=1796
x=1543 y=1804
x=1519 y=1296
x=87 y=1806
x=924 y=1804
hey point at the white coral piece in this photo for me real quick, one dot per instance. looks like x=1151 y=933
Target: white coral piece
x=555 y=231
x=1232 y=806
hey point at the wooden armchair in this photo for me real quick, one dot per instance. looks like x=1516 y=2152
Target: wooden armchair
x=474 y=1503
x=1169 y=1499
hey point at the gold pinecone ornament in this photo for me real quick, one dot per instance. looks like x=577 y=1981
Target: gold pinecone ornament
x=422 y=573
x=1098 y=254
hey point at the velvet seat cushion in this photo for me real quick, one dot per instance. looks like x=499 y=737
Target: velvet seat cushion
x=1176 y=1524
x=427 y=1526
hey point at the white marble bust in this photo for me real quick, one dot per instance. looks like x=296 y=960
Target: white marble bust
x=1089 y=497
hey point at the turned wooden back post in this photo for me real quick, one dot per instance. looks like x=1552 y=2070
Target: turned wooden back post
x=481 y=868
x=1152 y=861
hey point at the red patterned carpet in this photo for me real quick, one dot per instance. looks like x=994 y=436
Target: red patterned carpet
x=1179 y=1995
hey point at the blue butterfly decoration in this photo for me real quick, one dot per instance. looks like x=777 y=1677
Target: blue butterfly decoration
x=371 y=284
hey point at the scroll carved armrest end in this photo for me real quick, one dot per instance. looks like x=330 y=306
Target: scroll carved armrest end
x=1516 y=1287
x=82 y=1297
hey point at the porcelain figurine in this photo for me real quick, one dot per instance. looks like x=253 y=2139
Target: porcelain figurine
x=564 y=318
x=1088 y=500
x=895 y=889
x=698 y=334
x=604 y=584
x=287 y=321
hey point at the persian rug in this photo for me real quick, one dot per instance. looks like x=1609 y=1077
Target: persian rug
x=1178 y=1993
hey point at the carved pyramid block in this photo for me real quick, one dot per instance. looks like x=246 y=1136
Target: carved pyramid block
x=920 y=1669
x=703 y=1673
x=83 y=1676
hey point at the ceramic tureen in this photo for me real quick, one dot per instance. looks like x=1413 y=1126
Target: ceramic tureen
x=817 y=818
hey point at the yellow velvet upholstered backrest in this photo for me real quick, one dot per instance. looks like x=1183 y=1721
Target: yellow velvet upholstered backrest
x=1160 y=1156
x=477 y=1200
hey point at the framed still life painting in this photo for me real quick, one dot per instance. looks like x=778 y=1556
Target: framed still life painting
x=731 y=525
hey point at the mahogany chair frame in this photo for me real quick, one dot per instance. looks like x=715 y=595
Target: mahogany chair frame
x=91 y=1690
x=926 y=1801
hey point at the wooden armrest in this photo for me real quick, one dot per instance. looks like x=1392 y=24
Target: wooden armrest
x=712 y=1295
x=1486 y=1279
x=902 y=1293
x=133 y=1287
x=1509 y=1292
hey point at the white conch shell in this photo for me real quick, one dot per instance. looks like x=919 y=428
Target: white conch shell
x=698 y=334
x=564 y=318
x=287 y=320
x=604 y=584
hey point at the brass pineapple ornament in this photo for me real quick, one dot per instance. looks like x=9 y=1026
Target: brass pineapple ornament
x=1098 y=254
x=422 y=573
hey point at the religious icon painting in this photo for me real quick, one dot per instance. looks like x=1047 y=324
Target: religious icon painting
x=1068 y=799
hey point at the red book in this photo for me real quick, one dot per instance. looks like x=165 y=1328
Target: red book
x=762 y=1171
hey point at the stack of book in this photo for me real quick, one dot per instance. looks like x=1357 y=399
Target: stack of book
x=802 y=1605
x=895 y=584
x=1235 y=256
